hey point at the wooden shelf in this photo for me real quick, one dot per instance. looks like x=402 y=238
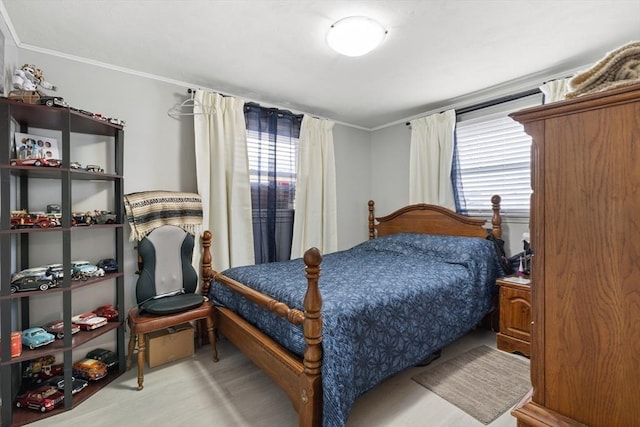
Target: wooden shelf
x=23 y=416
x=19 y=183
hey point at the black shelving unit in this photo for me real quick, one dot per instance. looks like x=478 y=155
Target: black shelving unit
x=17 y=245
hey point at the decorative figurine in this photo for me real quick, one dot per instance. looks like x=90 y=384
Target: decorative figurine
x=27 y=82
x=30 y=78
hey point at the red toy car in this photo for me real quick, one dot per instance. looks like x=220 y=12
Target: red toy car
x=44 y=398
x=89 y=321
x=24 y=219
x=57 y=328
x=54 y=163
x=107 y=311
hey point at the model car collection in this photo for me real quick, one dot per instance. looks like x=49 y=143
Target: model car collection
x=32 y=279
x=51 y=101
x=77 y=384
x=47 y=372
x=88 y=168
x=109 y=265
x=36 y=337
x=107 y=311
x=31 y=368
x=108 y=357
x=44 y=398
x=56 y=328
x=94 y=168
x=43 y=382
x=85 y=269
x=88 y=321
x=89 y=369
x=51 y=275
x=24 y=219
x=54 y=163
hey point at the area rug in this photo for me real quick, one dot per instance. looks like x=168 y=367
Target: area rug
x=483 y=382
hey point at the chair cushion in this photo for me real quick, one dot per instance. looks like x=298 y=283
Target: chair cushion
x=172 y=304
x=165 y=255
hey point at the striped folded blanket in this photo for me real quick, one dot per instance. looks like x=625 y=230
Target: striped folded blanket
x=619 y=68
x=148 y=210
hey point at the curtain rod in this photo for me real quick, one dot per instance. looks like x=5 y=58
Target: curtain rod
x=495 y=101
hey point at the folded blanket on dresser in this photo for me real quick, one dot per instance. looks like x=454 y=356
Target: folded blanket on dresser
x=619 y=68
x=148 y=210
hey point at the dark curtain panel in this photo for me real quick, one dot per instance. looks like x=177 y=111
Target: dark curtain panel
x=456 y=180
x=272 y=145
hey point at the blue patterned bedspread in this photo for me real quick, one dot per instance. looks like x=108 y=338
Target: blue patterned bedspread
x=387 y=304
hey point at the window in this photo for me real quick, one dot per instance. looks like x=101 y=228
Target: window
x=272 y=147
x=494 y=157
x=272 y=162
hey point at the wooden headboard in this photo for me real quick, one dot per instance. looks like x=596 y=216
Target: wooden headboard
x=431 y=219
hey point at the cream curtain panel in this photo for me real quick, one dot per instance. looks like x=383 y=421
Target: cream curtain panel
x=555 y=90
x=431 y=156
x=222 y=171
x=315 y=219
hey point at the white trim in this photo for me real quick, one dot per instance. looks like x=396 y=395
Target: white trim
x=9 y=24
x=165 y=80
x=521 y=84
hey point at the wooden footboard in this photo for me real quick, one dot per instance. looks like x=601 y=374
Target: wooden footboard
x=300 y=379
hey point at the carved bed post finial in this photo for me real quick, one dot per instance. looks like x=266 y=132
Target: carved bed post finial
x=496 y=219
x=372 y=218
x=207 y=272
x=311 y=384
x=312 y=309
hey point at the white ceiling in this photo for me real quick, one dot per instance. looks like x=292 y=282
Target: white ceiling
x=274 y=51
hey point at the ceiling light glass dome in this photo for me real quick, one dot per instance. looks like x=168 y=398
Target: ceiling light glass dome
x=355 y=35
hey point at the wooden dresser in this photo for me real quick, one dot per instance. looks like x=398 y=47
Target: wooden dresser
x=585 y=233
x=515 y=317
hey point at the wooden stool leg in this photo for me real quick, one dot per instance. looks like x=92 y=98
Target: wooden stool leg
x=132 y=347
x=142 y=346
x=212 y=338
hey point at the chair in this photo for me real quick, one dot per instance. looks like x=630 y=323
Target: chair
x=165 y=291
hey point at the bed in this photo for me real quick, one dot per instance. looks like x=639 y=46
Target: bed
x=425 y=277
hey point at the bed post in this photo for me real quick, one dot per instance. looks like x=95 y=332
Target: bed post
x=310 y=411
x=207 y=276
x=496 y=219
x=207 y=273
x=372 y=218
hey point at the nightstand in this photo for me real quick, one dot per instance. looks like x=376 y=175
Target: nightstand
x=515 y=316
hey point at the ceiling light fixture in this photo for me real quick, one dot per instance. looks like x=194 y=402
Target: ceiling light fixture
x=355 y=35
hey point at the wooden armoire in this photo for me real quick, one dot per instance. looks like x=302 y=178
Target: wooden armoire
x=585 y=234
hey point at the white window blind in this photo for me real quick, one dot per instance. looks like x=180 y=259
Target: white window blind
x=265 y=156
x=494 y=155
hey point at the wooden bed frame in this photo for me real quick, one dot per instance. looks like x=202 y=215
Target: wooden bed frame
x=301 y=378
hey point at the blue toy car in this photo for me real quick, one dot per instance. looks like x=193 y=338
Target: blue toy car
x=109 y=265
x=84 y=270
x=36 y=337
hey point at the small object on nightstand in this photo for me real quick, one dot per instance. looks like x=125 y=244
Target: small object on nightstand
x=516 y=279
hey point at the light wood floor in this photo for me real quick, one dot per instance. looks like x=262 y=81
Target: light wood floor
x=233 y=392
